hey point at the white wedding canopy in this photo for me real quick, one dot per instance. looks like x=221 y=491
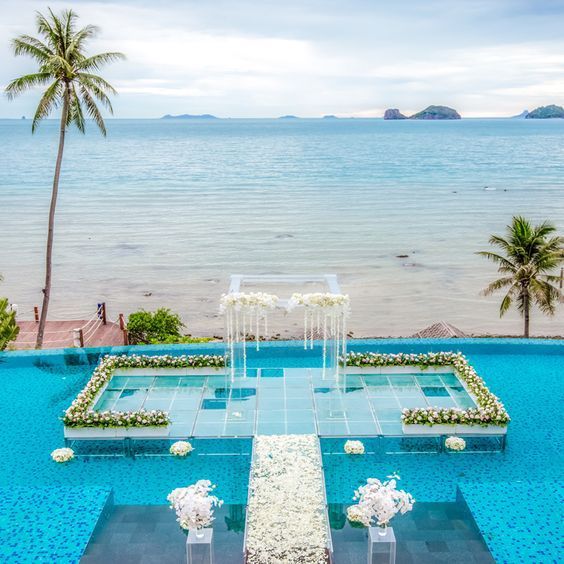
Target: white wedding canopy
x=246 y=314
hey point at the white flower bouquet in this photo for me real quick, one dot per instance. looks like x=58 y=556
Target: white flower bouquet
x=194 y=505
x=379 y=502
x=455 y=443
x=354 y=447
x=62 y=454
x=181 y=448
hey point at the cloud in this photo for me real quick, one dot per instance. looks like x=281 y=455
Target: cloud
x=268 y=58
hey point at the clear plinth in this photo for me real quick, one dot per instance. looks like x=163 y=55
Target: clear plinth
x=199 y=548
x=381 y=547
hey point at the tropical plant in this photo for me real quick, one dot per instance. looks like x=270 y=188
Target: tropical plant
x=67 y=72
x=528 y=259
x=160 y=326
x=8 y=327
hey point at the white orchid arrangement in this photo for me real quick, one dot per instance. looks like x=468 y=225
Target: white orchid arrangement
x=455 y=443
x=194 y=505
x=62 y=454
x=379 y=502
x=181 y=448
x=490 y=410
x=286 y=517
x=81 y=414
x=354 y=447
x=252 y=301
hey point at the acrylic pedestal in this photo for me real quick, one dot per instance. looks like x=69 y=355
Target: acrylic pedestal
x=381 y=548
x=199 y=550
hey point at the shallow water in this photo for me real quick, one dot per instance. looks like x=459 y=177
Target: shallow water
x=171 y=208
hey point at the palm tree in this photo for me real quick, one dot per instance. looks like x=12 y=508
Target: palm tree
x=529 y=255
x=68 y=74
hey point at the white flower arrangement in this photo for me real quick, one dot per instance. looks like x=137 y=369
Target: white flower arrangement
x=379 y=502
x=194 y=505
x=62 y=454
x=354 y=447
x=286 y=516
x=181 y=448
x=455 y=443
x=324 y=300
x=490 y=410
x=251 y=301
x=81 y=414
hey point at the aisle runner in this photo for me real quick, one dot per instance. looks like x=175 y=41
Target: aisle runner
x=287 y=516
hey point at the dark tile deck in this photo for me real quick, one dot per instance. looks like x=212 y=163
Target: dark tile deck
x=432 y=532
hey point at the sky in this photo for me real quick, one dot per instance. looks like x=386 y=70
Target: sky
x=265 y=58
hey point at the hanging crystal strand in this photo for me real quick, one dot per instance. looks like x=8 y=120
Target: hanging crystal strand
x=311 y=328
x=237 y=314
x=324 y=339
x=258 y=328
x=305 y=327
x=265 y=324
x=244 y=347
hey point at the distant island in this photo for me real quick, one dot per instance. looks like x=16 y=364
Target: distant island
x=394 y=113
x=546 y=112
x=429 y=113
x=522 y=115
x=190 y=116
x=289 y=117
x=331 y=116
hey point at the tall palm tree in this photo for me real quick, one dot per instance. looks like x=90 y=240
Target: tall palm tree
x=529 y=255
x=68 y=73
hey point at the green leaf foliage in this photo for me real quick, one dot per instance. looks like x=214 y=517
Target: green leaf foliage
x=8 y=327
x=158 y=327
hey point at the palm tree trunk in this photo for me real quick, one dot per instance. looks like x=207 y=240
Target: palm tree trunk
x=526 y=312
x=52 y=208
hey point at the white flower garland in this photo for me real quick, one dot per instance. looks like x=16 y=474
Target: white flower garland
x=490 y=410
x=245 y=312
x=455 y=443
x=194 y=505
x=379 y=502
x=81 y=414
x=286 y=513
x=181 y=448
x=354 y=447
x=324 y=313
x=62 y=454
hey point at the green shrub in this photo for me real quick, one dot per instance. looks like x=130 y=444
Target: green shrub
x=8 y=327
x=161 y=326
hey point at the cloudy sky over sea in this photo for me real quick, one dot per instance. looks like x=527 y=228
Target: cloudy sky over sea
x=312 y=57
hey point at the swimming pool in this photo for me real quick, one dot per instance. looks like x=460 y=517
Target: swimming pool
x=36 y=388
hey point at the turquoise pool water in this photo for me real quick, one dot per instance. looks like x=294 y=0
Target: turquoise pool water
x=35 y=389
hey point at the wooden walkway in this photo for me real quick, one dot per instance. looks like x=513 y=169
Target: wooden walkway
x=59 y=334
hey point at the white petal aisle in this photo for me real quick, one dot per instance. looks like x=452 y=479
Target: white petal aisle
x=286 y=518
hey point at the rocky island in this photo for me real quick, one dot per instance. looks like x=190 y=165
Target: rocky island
x=436 y=112
x=431 y=112
x=393 y=113
x=546 y=112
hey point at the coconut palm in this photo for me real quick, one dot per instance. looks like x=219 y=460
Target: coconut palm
x=67 y=72
x=529 y=254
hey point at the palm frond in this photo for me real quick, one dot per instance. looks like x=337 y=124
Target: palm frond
x=96 y=61
x=497 y=285
x=92 y=110
x=49 y=101
x=26 y=82
x=505 y=264
x=27 y=45
x=75 y=114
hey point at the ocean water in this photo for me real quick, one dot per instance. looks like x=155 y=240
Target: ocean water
x=171 y=208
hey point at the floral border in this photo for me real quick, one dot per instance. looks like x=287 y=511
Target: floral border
x=80 y=413
x=490 y=410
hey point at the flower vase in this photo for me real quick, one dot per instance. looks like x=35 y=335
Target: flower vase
x=383 y=530
x=199 y=533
